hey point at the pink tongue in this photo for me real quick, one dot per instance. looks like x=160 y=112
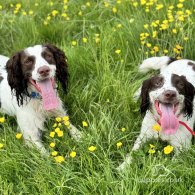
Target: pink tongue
x=48 y=94
x=169 y=122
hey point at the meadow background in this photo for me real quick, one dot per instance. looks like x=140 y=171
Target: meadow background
x=104 y=42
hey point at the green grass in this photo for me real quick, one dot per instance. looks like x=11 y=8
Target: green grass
x=101 y=88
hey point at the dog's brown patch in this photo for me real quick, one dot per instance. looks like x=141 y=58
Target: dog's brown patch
x=171 y=60
x=48 y=56
x=1 y=78
x=185 y=88
x=192 y=64
x=147 y=86
x=27 y=64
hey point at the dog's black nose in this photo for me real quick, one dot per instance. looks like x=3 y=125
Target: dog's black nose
x=169 y=94
x=44 y=70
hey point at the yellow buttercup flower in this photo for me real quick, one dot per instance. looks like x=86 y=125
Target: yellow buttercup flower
x=50 y=3
x=52 y=144
x=2 y=119
x=97 y=39
x=168 y=149
x=159 y=6
x=58 y=119
x=1 y=145
x=66 y=118
x=171 y=7
x=73 y=154
x=24 y=13
x=48 y=17
x=119 y=25
x=57 y=129
x=88 y=4
x=84 y=40
x=60 y=133
x=55 y=125
x=152 y=146
x=154 y=34
x=30 y=12
x=143 y=2
x=174 y=31
x=151 y=151
x=18 y=6
x=181 y=18
x=74 y=43
x=92 y=148
x=155 y=49
x=80 y=13
x=185 y=38
x=146 y=26
x=85 y=124
x=54 y=13
x=106 y=4
x=45 y=23
x=148 y=45
x=67 y=123
x=18 y=135
x=52 y=134
x=179 y=5
x=156 y=127
x=65 y=7
x=119 y=144
x=59 y=159
x=118 y=51
x=123 y=129
x=135 y=4
x=188 y=12
x=114 y=10
x=54 y=153
x=178 y=47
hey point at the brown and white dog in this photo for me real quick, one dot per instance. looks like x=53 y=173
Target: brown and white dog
x=167 y=99
x=28 y=89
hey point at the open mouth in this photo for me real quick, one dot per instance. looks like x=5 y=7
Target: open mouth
x=168 y=119
x=160 y=105
x=36 y=83
x=46 y=89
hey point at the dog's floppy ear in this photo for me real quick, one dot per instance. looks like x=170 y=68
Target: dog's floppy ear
x=61 y=65
x=189 y=97
x=187 y=90
x=15 y=77
x=145 y=101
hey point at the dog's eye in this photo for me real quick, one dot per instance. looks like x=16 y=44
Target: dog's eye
x=28 y=62
x=158 y=82
x=48 y=57
x=180 y=85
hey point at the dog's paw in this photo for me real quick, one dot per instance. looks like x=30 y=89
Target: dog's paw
x=38 y=146
x=75 y=133
x=122 y=167
x=125 y=164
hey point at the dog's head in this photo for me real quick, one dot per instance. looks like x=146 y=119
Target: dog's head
x=167 y=95
x=36 y=68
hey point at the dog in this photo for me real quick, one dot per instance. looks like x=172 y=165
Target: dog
x=167 y=99
x=28 y=89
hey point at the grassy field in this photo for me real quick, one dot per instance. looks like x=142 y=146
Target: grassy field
x=104 y=42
